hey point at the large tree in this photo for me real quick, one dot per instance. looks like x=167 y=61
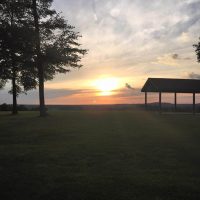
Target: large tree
x=15 y=37
x=56 y=46
x=197 y=50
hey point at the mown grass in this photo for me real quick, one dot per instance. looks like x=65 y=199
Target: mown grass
x=100 y=155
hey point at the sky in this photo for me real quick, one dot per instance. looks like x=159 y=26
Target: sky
x=128 y=41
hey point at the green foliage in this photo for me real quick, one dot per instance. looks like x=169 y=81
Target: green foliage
x=15 y=40
x=59 y=45
x=36 y=43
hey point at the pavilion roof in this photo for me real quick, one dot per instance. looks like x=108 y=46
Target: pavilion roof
x=172 y=85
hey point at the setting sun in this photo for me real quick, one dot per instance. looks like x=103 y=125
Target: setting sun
x=106 y=85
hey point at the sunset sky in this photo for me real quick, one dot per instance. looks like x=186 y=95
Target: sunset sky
x=128 y=41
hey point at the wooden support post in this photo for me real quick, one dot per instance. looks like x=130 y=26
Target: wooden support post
x=145 y=100
x=160 y=101
x=175 y=101
x=194 y=103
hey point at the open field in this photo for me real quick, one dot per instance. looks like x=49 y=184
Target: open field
x=100 y=155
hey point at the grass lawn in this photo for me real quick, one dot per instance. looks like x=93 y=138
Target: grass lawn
x=100 y=155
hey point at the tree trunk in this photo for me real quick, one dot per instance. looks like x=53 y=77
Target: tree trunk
x=14 y=86
x=39 y=61
x=14 y=93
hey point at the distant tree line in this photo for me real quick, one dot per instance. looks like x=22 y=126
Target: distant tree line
x=8 y=107
x=36 y=43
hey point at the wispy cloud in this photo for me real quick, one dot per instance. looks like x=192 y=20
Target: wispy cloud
x=194 y=75
x=175 y=56
x=129 y=86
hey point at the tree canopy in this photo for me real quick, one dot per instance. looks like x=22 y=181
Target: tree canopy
x=36 y=43
x=14 y=40
x=197 y=50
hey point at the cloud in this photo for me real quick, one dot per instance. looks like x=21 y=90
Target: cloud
x=167 y=60
x=115 y=12
x=50 y=94
x=174 y=59
x=187 y=58
x=129 y=86
x=94 y=10
x=175 y=56
x=194 y=75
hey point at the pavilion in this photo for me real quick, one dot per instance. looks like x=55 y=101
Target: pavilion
x=169 y=85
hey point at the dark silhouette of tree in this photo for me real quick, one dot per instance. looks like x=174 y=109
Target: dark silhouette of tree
x=197 y=50
x=36 y=43
x=39 y=64
x=56 y=46
x=14 y=40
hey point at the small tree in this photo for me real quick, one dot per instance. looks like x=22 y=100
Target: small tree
x=197 y=50
x=14 y=43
